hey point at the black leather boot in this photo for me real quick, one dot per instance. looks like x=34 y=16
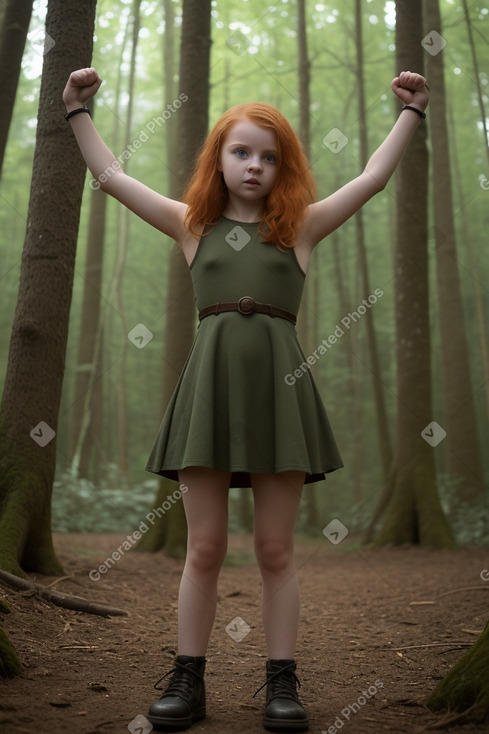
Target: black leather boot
x=183 y=702
x=283 y=710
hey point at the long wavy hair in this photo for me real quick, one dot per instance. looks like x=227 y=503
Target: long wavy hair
x=285 y=206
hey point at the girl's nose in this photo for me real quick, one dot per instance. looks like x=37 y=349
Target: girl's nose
x=254 y=164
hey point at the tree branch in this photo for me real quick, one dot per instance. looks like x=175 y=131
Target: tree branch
x=61 y=600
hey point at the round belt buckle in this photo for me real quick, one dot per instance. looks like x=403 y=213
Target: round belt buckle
x=246 y=305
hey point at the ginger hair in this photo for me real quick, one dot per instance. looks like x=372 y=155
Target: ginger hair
x=294 y=189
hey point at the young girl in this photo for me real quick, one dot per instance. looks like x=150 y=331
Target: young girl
x=247 y=227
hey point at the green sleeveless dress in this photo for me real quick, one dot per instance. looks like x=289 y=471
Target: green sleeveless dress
x=237 y=406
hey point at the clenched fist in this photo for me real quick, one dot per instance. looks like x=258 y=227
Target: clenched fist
x=411 y=89
x=80 y=87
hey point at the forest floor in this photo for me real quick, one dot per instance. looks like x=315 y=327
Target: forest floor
x=378 y=629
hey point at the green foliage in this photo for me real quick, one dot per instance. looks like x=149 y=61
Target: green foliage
x=469 y=524
x=260 y=63
x=80 y=506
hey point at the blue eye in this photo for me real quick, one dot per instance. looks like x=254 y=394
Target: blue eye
x=241 y=153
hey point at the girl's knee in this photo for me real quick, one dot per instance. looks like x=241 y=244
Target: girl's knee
x=274 y=556
x=206 y=554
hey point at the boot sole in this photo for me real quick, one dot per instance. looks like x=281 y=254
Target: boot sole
x=285 y=725
x=168 y=724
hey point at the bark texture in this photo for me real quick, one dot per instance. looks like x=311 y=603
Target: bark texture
x=466 y=687
x=413 y=512
x=32 y=391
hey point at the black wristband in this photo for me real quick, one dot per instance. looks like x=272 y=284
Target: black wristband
x=75 y=112
x=414 y=109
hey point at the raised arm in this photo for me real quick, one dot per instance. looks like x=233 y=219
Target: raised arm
x=325 y=216
x=165 y=214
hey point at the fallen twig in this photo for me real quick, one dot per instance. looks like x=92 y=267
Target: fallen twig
x=463 y=588
x=62 y=600
x=432 y=644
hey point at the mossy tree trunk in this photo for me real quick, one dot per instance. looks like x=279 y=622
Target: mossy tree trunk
x=32 y=391
x=413 y=513
x=9 y=660
x=466 y=687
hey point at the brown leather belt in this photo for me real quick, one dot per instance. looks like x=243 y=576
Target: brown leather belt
x=247 y=305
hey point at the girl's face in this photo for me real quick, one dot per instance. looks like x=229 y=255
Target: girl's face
x=248 y=161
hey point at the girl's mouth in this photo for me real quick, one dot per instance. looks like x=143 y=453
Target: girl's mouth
x=252 y=182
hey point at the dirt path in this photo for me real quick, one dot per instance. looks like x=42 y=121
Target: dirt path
x=378 y=630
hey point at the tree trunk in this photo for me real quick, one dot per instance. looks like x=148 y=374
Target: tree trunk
x=376 y=371
x=32 y=391
x=14 y=26
x=9 y=660
x=466 y=687
x=169 y=532
x=413 y=513
x=87 y=417
x=120 y=265
x=477 y=77
x=303 y=78
x=307 y=312
x=464 y=460
x=170 y=94
x=86 y=427
x=467 y=238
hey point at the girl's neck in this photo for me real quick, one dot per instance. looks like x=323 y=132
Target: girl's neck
x=242 y=212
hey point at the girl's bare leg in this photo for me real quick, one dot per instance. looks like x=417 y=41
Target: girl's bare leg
x=277 y=498
x=206 y=510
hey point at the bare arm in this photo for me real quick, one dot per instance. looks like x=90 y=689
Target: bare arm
x=325 y=216
x=165 y=214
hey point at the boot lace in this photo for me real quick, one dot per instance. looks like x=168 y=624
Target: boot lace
x=181 y=682
x=282 y=684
